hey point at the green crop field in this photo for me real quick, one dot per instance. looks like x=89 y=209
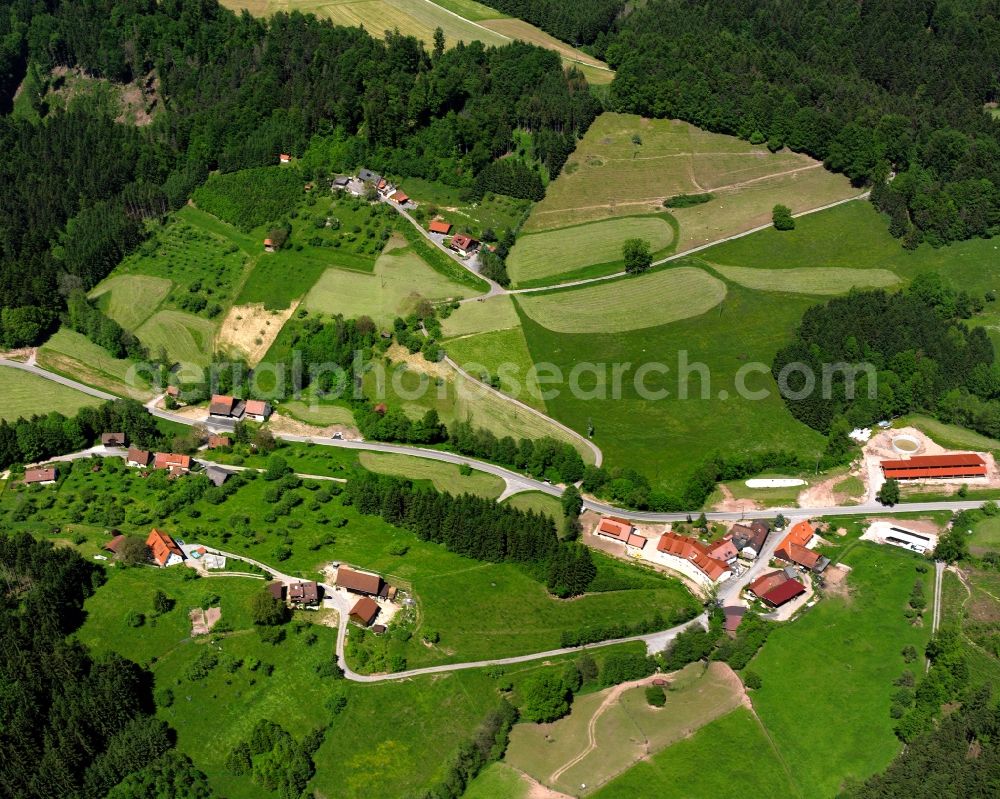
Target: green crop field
x=26 y=395
x=609 y=175
x=443 y=476
x=503 y=354
x=481 y=316
x=690 y=768
x=460 y=20
x=627 y=304
x=536 y=501
x=131 y=299
x=665 y=436
x=186 y=338
x=808 y=280
x=538 y=258
x=74 y=355
x=401 y=278
x=840 y=660
x=624 y=732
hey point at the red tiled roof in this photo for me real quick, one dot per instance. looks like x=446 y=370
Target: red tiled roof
x=364 y=611
x=723 y=549
x=218 y=441
x=614 y=529
x=440 y=226
x=635 y=540
x=783 y=593
x=681 y=546
x=400 y=197
x=801 y=534
x=359 y=582
x=934 y=461
x=256 y=407
x=305 y=592
x=462 y=241
x=767 y=582
x=268 y=243
x=162 y=546
x=221 y=403
x=39 y=475
x=284 y=157
x=139 y=456
x=169 y=460
x=115 y=543
x=796 y=553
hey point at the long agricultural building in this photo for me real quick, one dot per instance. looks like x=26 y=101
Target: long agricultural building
x=923 y=467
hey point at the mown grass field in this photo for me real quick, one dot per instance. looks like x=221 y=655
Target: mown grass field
x=536 y=501
x=185 y=337
x=131 y=299
x=690 y=768
x=400 y=279
x=949 y=435
x=597 y=247
x=25 y=395
x=74 y=355
x=609 y=175
x=500 y=354
x=627 y=304
x=808 y=280
x=481 y=316
x=827 y=678
x=461 y=20
x=498 y=781
x=624 y=732
x=665 y=436
x=317 y=413
x=443 y=476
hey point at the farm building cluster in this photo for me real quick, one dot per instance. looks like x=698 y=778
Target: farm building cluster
x=224 y=406
x=374 y=597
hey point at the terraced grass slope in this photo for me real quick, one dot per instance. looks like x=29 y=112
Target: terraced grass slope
x=611 y=175
x=809 y=280
x=74 y=355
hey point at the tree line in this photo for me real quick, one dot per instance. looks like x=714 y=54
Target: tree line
x=235 y=91
x=915 y=341
x=476 y=528
x=891 y=94
x=579 y=22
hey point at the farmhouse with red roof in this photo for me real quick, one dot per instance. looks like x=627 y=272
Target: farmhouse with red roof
x=164 y=549
x=691 y=558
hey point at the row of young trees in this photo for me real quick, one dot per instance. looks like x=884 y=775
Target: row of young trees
x=476 y=528
x=233 y=92
x=890 y=94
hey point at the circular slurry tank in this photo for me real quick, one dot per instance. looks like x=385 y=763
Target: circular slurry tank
x=906 y=445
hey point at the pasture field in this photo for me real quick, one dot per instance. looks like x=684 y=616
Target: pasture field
x=502 y=354
x=986 y=535
x=74 y=355
x=461 y=20
x=469 y=602
x=950 y=436
x=808 y=280
x=623 y=727
x=840 y=660
x=536 y=501
x=319 y=414
x=609 y=175
x=855 y=236
x=25 y=395
x=415 y=389
x=482 y=316
x=498 y=781
x=627 y=304
x=185 y=337
x=588 y=250
x=401 y=278
x=690 y=768
x=666 y=435
x=495 y=212
x=443 y=476
x=131 y=299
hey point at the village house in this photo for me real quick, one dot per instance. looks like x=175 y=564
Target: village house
x=304 y=594
x=224 y=406
x=400 y=198
x=276 y=590
x=464 y=244
x=174 y=463
x=173 y=391
x=164 y=549
x=138 y=458
x=341 y=182
x=115 y=544
x=620 y=530
x=359 y=582
x=690 y=557
x=367 y=176
x=215 y=441
x=925 y=467
x=724 y=549
x=113 y=439
x=216 y=474
x=794 y=548
x=776 y=588
x=257 y=410
x=365 y=611
x=750 y=540
x=440 y=226
x=41 y=477
x=268 y=245
x=284 y=158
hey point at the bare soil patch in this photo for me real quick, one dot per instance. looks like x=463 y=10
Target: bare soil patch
x=418 y=363
x=731 y=504
x=285 y=424
x=836 y=582
x=202 y=621
x=252 y=329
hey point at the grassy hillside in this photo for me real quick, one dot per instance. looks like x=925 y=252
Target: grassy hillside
x=25 y=395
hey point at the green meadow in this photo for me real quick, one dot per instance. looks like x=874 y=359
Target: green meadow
x=443 y=476
x=26 y=395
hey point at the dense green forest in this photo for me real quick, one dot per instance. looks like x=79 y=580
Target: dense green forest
x=235 y=91
x=872 y=89
x=578 y=22
x=70 y=726
x=922 y=357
